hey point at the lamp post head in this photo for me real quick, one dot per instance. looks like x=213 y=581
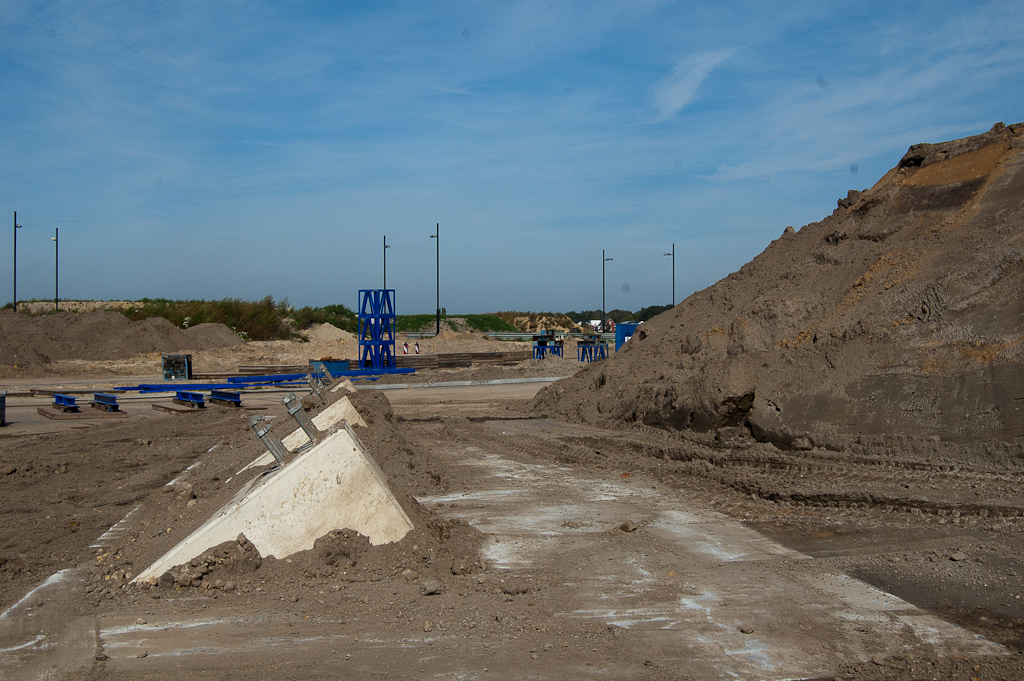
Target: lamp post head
x=609 y=259
x=667 y=254
x=433 y=236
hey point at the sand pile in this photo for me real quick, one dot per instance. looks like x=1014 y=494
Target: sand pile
x=899 y=313
x=328 y=333
x=27 y=341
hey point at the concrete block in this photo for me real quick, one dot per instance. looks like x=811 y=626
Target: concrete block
x=344 y=386
x=334 y=485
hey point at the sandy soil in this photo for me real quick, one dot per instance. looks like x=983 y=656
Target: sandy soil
x=898 y=313
x=537 y=580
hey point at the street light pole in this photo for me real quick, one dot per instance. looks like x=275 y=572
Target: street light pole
x=56 y=266
x=437 y=235
x=386 y=247
x=16 y=228
x=673 y=254
x=603 y=261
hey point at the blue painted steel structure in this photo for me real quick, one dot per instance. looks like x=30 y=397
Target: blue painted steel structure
x=227 y=398
x=189 y=398
x=105 y=402
x=273 y=381
x=590 y=348
x=545 y=344
x=64 y=402
x=377 y=328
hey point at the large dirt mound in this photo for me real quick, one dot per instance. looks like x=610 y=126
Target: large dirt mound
x=899 y=313
x=26 y=340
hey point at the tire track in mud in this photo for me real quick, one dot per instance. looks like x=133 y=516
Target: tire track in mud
x=813 y=479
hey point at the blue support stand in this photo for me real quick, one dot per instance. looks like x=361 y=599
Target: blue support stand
x=377 y=328
x=545 y=344
x=65 y=403
x=189 y=398
x=591 y=352
x=104 y=401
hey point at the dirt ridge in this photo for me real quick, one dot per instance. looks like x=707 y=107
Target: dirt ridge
x=898 y=313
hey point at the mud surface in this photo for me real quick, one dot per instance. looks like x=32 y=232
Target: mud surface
x=550 y=585
x=899 y=313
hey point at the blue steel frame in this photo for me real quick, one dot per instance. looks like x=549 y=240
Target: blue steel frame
x=544 y=344
x=377 y=328
x=64 y=402
x=542 y=351
x=591 y=352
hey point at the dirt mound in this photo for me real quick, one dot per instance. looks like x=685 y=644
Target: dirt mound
x=26 y=340
x=408 y=470
x=328 y=333
x=212 y=336
x=216 y=568
x=899 y=313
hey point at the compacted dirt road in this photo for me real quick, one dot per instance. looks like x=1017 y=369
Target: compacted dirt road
x=542 y=550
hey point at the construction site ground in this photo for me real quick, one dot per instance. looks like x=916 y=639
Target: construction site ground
x=543 y=550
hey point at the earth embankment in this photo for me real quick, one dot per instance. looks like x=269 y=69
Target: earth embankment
x=27 y=340
x=899 y=313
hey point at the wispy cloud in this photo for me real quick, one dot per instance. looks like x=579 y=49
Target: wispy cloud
x=679 y=87
x=513 y=125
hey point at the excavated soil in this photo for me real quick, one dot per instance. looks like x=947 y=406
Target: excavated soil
x=898 y=314
x=924 y=521
x=33 y=345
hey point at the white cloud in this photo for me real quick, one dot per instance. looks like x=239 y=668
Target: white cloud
x=679 y=87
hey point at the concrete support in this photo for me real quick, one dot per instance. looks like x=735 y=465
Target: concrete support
x=334 y=485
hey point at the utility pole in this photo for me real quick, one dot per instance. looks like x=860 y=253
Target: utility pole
x=673 y=254
x=603 y=261
x=437 y=235
x=56 y=268
x=16 y=228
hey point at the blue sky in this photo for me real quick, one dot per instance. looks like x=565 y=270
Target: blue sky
x=214 y=149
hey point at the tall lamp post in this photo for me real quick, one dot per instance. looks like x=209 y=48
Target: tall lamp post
x=603 y=261
x=673 y=254
x=386 y=247
x=56 y=267
x=16 y=228
x=437 y=235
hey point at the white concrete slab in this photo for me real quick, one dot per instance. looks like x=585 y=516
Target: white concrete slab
x=332 y=486
x=701 y=590
x=345 y=386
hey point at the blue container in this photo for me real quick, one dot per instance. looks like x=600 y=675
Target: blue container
x=335 y=366
x=623 y=332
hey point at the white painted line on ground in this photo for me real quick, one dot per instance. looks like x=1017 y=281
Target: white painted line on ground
x=27 y=644
x=55 y=578
x=117 y=527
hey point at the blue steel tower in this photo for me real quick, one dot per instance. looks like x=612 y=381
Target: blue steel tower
x=377 y=328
